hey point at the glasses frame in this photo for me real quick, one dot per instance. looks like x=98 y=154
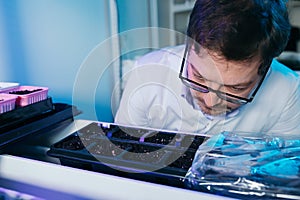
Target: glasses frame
x=220 y=94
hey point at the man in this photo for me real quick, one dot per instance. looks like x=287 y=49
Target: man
x=228 y=77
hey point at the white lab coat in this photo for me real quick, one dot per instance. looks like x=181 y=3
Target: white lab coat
x=155 y=97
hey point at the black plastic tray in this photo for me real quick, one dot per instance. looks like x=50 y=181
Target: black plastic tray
x=21 y=115
x=24 y=121
x=161 y=157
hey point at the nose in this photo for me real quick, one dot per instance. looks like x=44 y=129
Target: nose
x=211 y=99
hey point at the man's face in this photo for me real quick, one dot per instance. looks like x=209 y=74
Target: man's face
x=213 y=71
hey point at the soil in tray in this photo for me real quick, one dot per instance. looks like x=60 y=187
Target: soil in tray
x=125 y=136
x=147 y=157
x=95 y=130
x=132 y=151
x=183 y=161
x=192 y=142
x=73 y=142
x=130 y=133
x=144 y=153
x=92 y=130
x=107 y=148
x=24 y=92
x=161 y=138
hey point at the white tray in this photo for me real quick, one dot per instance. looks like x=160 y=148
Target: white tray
x=5 y=86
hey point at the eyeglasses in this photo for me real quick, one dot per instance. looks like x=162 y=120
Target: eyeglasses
x=222 y=95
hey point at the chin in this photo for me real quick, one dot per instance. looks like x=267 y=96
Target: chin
x=221 y=109
x=213 y=113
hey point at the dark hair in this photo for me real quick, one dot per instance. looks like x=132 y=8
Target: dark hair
x=238 y=30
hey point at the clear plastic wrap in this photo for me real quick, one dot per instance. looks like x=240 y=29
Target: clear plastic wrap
x=243 y=166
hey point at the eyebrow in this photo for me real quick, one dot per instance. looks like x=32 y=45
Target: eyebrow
x=195 y=72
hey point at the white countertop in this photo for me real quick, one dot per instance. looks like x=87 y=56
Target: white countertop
x=87 y=184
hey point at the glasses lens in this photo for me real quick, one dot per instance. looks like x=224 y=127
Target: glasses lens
x=197 y=87
x=223 y=96
x=230 y=99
